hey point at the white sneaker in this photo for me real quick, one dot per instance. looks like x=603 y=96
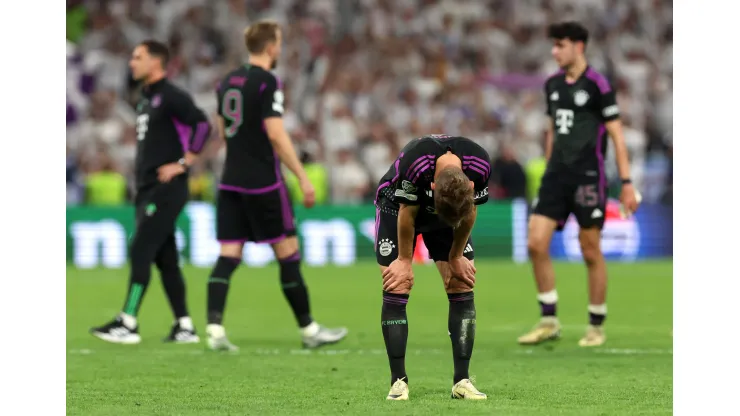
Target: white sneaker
x=464 y=389
x=117 y=332
x=315 y=335
x=399 y=391
x=217 y=340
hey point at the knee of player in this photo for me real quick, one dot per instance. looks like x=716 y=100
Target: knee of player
x=232 y=250
x=457 y=286
x=537 y=246
x=590 y=248
x=403 y=290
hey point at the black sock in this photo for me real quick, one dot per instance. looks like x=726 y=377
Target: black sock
x=139 y=277
x=461 y=324
x=395 y=333
x=218 y=287
x=294 y=289
x=596 y=319
x=167 y=262
x=548 y=309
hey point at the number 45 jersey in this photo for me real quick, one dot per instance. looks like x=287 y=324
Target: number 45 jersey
x=578 y=111
x=246 y=97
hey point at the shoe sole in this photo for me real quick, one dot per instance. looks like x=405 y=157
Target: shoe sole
x=193 y=340
x=114 y=340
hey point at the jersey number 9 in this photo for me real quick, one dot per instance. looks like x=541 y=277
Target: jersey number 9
x=232 y=111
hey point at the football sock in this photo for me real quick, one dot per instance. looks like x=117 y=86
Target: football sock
x=167 y=262
x=218 y=287
x=294 y=289
x=548 y=303
x=139 y=277
x=596 y=314
x=395 y=332
x=461 y=324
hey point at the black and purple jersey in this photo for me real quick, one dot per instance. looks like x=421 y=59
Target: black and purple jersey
x=168 y=124
x=409 y=179
x=246 y=97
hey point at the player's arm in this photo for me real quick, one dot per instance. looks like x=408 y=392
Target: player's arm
x=183 y=109
x=461 y=233
x=550 y=127
x=549 y=138
x=272 y=114
x=406 y=231
x=610 y=115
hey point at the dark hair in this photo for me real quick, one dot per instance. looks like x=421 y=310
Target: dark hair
x=258 y=35
x=158 y=50
x=453 y=195
x=573 y=31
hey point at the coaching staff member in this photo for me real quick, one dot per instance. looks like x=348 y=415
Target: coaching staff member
x=171 y=131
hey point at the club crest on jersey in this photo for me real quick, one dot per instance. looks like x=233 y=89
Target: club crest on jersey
x=385 y=247
x=156 y=100
x=580 y=98
x=554 y=96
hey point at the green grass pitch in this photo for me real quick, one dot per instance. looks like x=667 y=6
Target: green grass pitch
x=272 y=375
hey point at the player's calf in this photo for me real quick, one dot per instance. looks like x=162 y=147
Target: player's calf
x=597 y=284
x=460 y=322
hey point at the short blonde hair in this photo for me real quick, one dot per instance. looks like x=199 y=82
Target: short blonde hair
x=259 y=34
x=453 y=195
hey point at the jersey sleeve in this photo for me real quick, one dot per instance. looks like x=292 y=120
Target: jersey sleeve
x=272 y=98
x=410 y=182
x=608 y=108
x=183 y=110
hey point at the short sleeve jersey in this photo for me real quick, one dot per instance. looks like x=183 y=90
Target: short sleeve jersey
x=409 y=179
x=247 y=96
x=578 y=111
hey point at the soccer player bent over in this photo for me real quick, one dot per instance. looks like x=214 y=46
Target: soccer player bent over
x=582 y=108
x=432 y=189
x=162 y=161
x=253 y=202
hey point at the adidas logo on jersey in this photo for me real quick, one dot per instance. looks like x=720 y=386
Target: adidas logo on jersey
x=468 y=249
x=597 y=213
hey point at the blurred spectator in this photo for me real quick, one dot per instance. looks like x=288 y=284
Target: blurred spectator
x=201 y=184
x=365 y=77
x=103 y=185
x=317 y=175
x=508 y=180
x=350 y=182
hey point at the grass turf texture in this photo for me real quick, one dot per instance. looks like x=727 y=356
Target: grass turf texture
x=272 y=375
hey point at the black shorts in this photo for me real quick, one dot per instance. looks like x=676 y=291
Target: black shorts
x=157 y=209
x=261 y=218
x=583 y=196
x=438 y=242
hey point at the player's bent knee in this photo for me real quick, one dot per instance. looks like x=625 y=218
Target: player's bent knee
x=286 y=247
x=537 y=246
x=539 y=235
x=233 y=250
x=457 y=286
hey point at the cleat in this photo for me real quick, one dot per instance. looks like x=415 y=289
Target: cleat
x=117 y=332
x=594 y=337
x=180 y=335
x=217 y=340
x=548 y=329
x=399 y=391
x=464 y=389
x=324 y=336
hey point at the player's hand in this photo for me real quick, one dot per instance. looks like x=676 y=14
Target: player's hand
x=169 y=171
x=628 y=198
x=309 y=194
x=399 y=275
x=463 y=270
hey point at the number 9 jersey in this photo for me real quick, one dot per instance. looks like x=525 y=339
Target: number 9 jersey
x=246 y=97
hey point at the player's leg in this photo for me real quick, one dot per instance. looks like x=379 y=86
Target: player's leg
x=461 y=315
x=393 y=319
x=232 y=229
x=274 y=221
x=168 y=263
x=151 y=232
x=590 y=210
x=550 y=213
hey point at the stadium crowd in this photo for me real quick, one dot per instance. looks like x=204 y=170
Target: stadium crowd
x=362 y=77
